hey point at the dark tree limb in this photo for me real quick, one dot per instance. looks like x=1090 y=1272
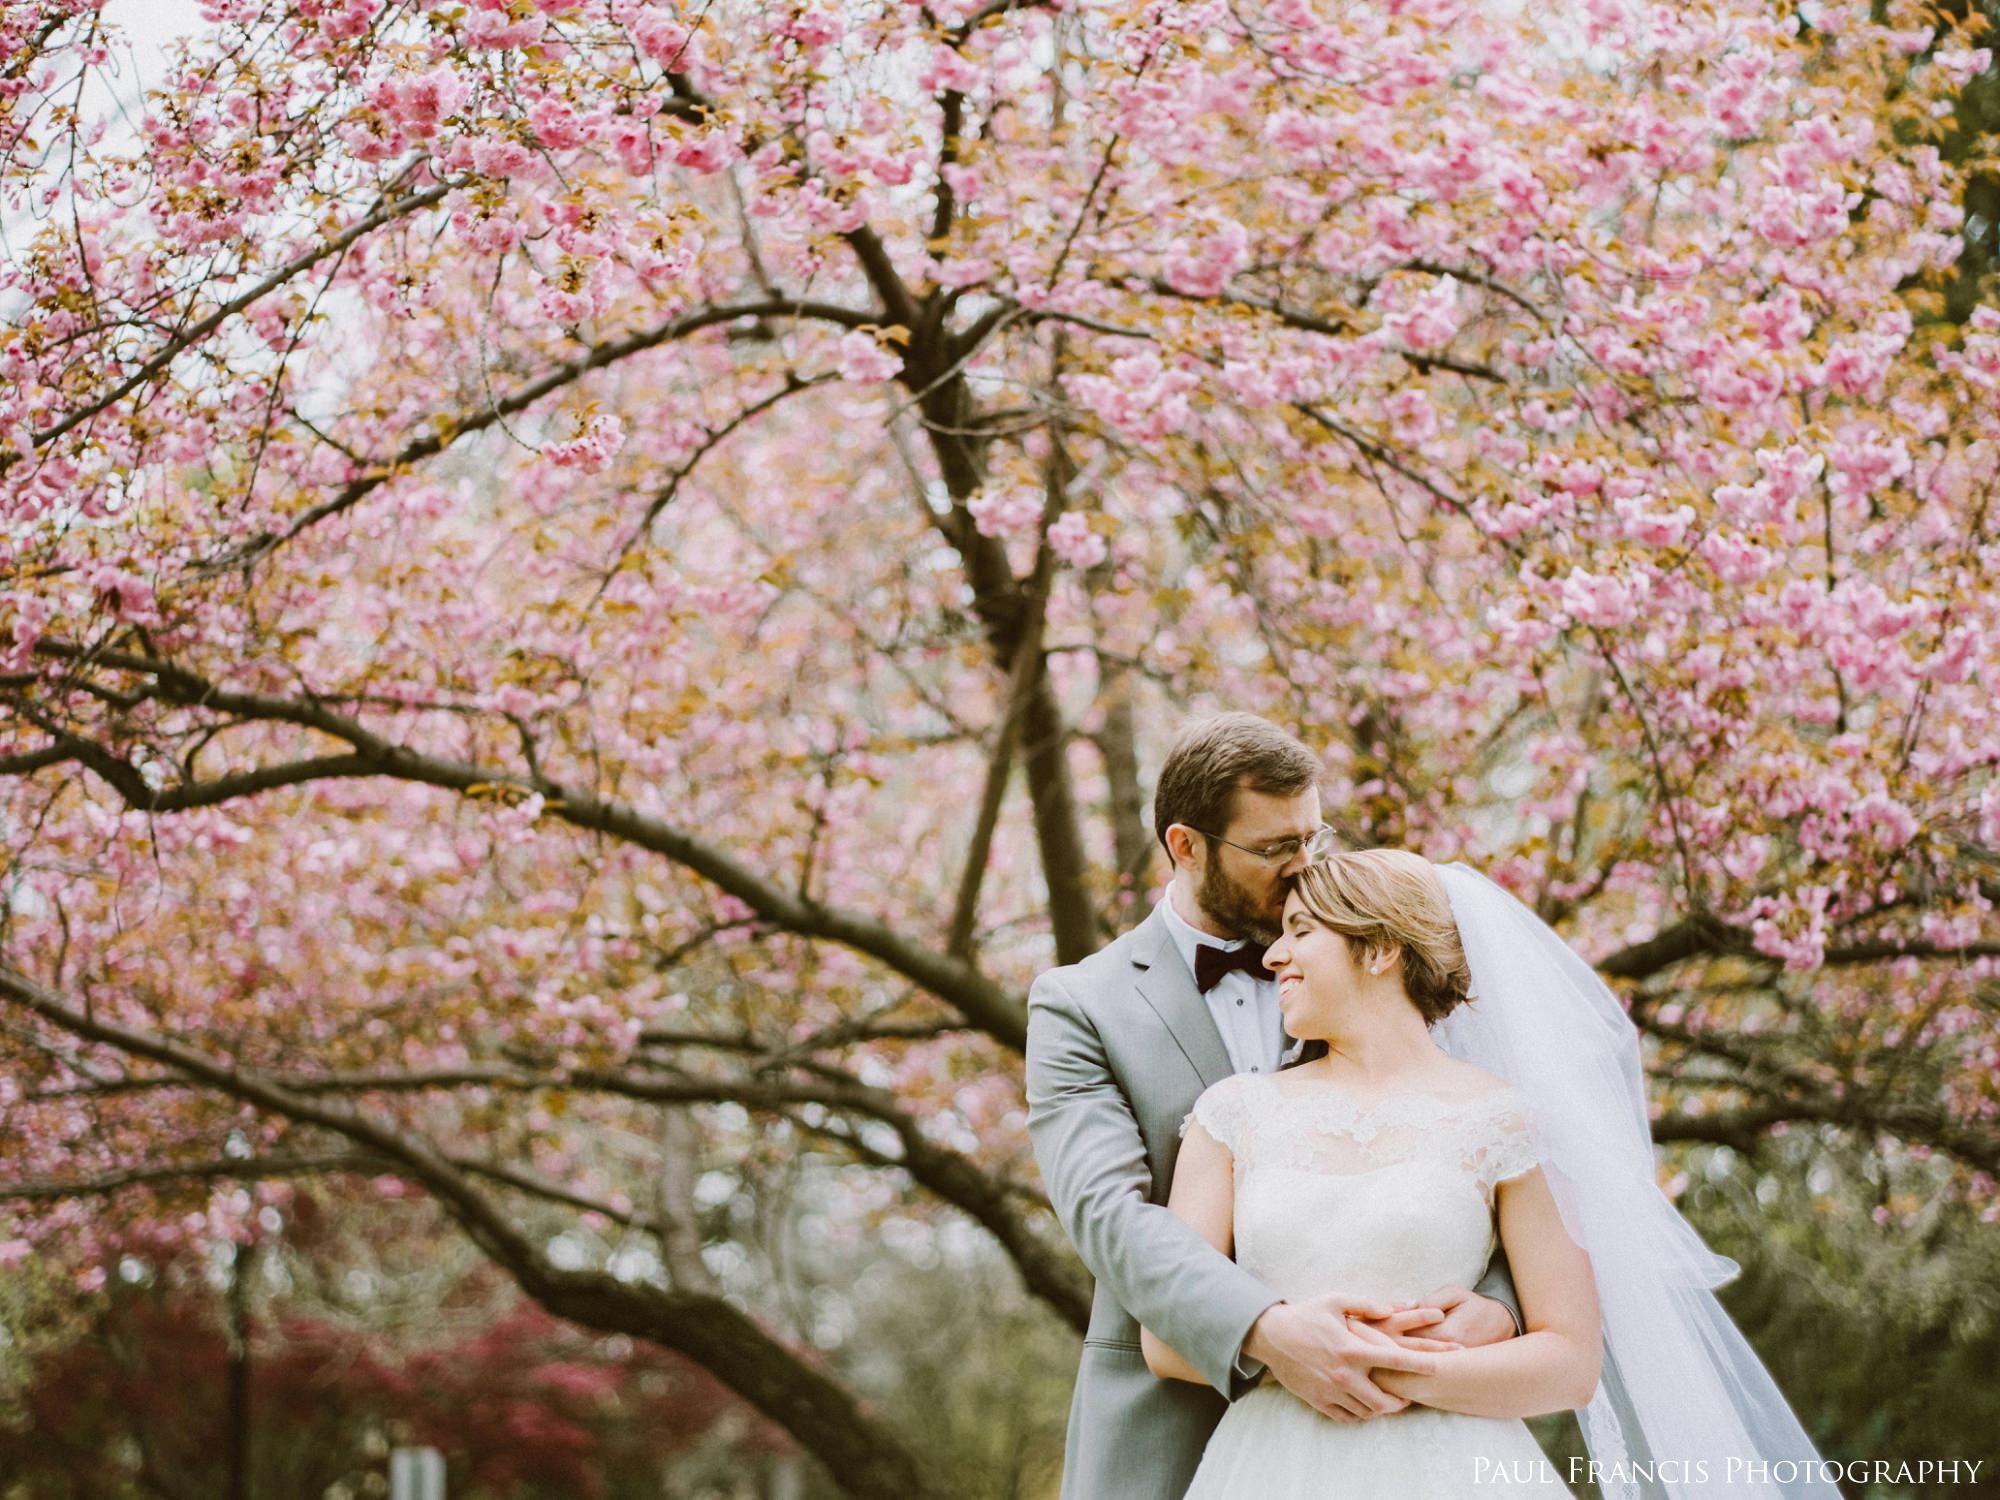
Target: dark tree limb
x=999 y=768
x=1915 y=1121
x=982 y=1002
x=1131 y=828
x=1048 y=1270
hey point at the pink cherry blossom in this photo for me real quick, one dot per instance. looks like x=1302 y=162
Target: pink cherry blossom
x=1072 y=539
x=1431 y=319
x=1007 y=511
x=1205 y=267
x=420 y=104
x=865 y=359
x=497 y=28
x=594 y=447
x=1602 y=600
x=709 y=151
x=660 y=35
x=948 y=70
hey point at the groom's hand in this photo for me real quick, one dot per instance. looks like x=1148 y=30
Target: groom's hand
x=1321 y=1351
x=1451 y=1317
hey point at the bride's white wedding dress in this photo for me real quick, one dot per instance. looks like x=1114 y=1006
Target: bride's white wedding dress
x=1390 y=1199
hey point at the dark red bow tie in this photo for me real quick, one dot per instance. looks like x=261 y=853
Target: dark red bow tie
x=1211 y=963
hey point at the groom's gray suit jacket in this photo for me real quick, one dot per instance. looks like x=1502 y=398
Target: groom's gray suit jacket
x=1119 y=1048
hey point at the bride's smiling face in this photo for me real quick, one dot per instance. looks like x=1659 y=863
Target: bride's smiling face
x=1318 y=972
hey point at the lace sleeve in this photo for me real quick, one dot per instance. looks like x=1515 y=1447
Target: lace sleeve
x=1505 y=1145
x=1224 y=1113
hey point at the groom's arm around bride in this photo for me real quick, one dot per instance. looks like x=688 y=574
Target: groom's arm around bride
x=1161 y=1273
x=1319 y=1344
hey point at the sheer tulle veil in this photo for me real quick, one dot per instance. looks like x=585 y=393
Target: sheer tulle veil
x=1684 y=1408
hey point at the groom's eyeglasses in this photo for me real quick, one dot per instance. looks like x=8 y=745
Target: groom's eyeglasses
x=1315 y=846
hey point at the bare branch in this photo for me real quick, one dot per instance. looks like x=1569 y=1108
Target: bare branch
x=1291 y=317
x=1046 y=1270
x=54 y=1189
x=1798 y=1091
x=1700 y=936
x=881 y=273
x=30 y=761
x=1913 y=1121
x=1027 y=669
x=1709 y=937
x=666 y=493
x=1479 y=279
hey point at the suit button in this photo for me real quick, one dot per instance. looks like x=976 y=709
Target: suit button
x=1239 y=1002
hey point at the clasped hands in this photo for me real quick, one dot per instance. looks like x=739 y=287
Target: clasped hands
x=1325 y=1349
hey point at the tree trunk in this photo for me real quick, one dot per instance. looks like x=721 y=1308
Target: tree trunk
x=1130 y=825
x=240 y=1270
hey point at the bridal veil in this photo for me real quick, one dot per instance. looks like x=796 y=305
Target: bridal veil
x=1684 y=1408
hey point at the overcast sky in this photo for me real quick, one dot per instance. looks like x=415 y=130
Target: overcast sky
x=146 y=27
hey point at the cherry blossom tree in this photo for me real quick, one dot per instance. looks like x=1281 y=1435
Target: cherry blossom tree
x=539 y=533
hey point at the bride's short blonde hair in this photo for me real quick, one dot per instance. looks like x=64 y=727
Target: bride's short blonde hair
x=1391 y=901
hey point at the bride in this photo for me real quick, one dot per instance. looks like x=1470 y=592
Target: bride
x=1477 y=1078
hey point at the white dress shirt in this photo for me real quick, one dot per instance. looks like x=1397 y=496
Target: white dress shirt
x=1245 y=1008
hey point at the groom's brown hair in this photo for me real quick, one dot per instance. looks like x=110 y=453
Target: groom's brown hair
x=1213 y=757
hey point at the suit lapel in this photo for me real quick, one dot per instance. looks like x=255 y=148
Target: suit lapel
x=1168 y=987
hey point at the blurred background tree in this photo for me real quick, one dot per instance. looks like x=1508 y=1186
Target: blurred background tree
x=1976 y=121
x=349 y=1344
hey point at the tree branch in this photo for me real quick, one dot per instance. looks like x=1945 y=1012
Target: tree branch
x=1922 y=1124
x=983 y=1003
x=1047 y=1270
x=1027 y=669
x=53 y=1189
x=987 y=12
x=194 y=333
x=1693 y=937
x=260 y=545
x=1291 y=317
x=664 y=496
x=881 y=273
x=30 y=761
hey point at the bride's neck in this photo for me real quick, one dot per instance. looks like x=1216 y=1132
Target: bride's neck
x=1380 y=1049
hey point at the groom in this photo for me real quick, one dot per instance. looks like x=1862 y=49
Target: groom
x=1119 y=1046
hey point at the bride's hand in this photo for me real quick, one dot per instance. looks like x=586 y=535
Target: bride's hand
x=1322 y=1352
x=1396 y=1328
x=1452 y=1316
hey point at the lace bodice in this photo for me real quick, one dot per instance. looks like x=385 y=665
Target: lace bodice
x=1389 y=1198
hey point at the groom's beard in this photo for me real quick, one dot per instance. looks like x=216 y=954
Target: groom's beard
x=1237 y=911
